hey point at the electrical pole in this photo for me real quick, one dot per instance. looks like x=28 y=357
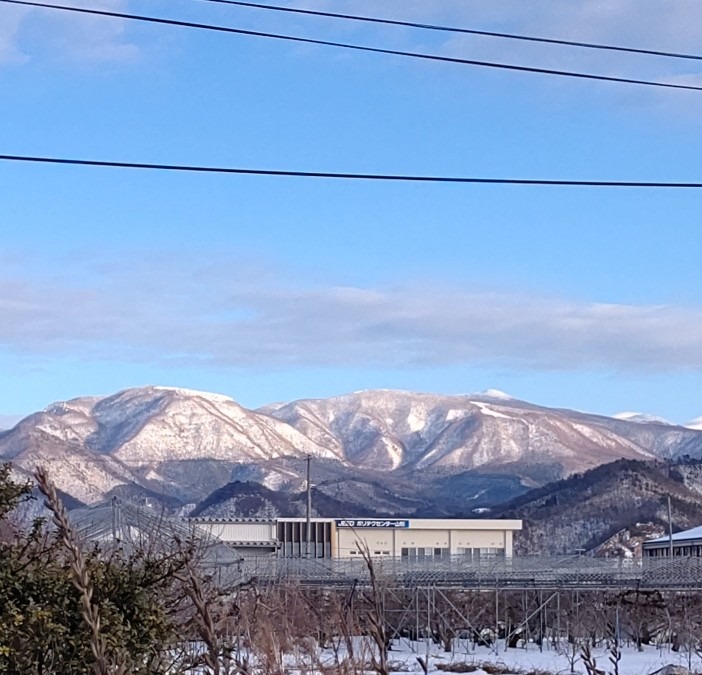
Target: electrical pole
x=309 y=507
x=670 y=530
x=114 y=519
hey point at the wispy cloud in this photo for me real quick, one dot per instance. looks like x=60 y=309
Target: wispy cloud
x=673 y=27
x=234 y=314
x=76 y=37
x=668 y=26
x=10 y=21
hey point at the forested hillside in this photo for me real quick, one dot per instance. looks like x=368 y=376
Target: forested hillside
x=585 y=510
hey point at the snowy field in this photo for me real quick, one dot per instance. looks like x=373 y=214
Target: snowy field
x=498 y=661
x=408 y=657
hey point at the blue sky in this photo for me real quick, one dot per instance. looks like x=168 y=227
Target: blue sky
x=273 y=289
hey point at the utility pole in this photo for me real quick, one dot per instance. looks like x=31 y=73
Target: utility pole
x=309 y=507
x=670 y=530
x=114 y=519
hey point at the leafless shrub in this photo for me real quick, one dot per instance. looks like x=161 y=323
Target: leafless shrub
x=615 y=655
x=458 y=667
x=204 y=620
x=375 y=616
x=344 y=667
x=497 y=668
x=488 y=667
x=589 y=661
x=342 y=624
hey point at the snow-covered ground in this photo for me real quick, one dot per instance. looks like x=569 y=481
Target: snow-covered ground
x=407 y=656
x=524 y=660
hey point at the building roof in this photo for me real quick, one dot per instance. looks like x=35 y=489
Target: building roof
x=694 y=533
x=415 y=523
x=363 y=523
x=234 y=520
x=134 y=527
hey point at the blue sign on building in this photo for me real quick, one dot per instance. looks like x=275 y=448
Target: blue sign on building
x=365 y=523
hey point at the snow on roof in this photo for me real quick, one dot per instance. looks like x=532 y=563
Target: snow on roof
x=694 y=533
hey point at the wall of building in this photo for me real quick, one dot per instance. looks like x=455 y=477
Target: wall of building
x=410 y=539
x=294 y=543
x=683 y=547
x=425 y=538
x=240 y=531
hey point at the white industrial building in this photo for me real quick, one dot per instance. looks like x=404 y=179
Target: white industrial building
x=687 y=543
x=406 y=538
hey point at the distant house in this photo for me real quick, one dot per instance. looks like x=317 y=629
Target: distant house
x=687 y=543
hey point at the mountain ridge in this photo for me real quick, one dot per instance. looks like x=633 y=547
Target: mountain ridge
x=185 y=444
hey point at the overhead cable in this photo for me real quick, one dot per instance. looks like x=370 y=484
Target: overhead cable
x=465 y=31
x=361 y=48
x=348 y=176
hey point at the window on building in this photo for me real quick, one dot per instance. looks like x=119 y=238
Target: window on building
x=412 y=553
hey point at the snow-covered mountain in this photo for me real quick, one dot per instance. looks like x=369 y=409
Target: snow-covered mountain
x=641 y=417
x=184 y=444
x=167 y=440
x=395 y=430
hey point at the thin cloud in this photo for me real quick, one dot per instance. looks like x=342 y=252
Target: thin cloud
x=10 y=21
x=675 y=27
x=669 y=26
x=94 y=38
x=167 y=310
x=75 y=37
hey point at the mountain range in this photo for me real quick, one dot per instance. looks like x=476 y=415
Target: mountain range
x=380 y=450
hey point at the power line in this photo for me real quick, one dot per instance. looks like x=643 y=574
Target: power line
x=465 y=31
x=361 y=48
x=349 y=176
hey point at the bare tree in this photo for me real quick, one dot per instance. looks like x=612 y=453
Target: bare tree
x=375 y=615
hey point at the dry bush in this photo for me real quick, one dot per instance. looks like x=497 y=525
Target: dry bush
x=375 y=619
x=344 y=667
x=70 y=609
x=498 y=668
x=491 y=668
x=105 y=663
x=458 y=667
